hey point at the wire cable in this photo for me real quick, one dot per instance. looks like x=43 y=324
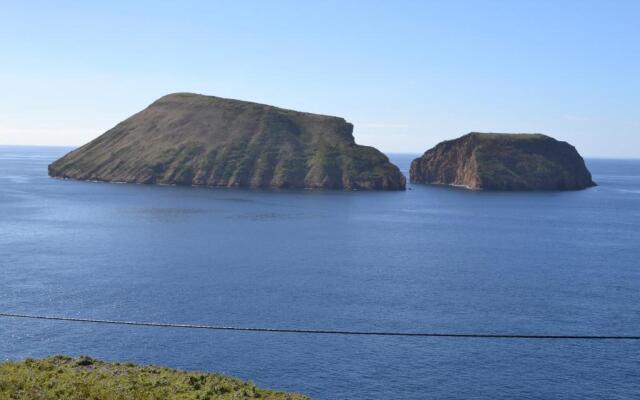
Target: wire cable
x=321 y=331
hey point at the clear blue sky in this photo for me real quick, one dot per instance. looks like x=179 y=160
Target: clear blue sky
x=407 y=74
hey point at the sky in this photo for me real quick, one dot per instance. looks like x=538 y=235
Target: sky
x=407 y=74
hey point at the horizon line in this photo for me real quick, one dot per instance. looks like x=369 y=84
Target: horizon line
x=596 y=157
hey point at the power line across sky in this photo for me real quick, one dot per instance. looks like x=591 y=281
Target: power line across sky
x=323 y=331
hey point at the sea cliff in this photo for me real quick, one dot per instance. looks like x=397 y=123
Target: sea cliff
x=500 y=161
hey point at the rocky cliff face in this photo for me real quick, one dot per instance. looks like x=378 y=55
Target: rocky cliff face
x=190 y=139
x=493 y=161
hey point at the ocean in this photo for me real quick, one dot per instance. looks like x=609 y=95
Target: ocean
x=434 y=259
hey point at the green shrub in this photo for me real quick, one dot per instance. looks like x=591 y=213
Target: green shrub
x=85 y=378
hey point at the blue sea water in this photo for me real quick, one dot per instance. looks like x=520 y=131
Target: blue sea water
x=427 y=259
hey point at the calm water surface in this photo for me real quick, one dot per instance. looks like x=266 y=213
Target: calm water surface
x=428 y=259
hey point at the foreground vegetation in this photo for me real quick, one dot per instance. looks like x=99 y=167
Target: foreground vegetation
x=85 y=378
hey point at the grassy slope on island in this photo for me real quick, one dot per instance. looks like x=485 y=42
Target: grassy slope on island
x=61 y=377
x=191 y=139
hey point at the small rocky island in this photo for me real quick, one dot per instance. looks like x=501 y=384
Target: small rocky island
x=502 y=161
x=191 y=139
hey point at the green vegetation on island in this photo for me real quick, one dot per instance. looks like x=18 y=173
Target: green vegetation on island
x=85 y=378
x=191 y=139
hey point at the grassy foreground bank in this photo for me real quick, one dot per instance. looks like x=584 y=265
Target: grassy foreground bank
x=85 y=378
